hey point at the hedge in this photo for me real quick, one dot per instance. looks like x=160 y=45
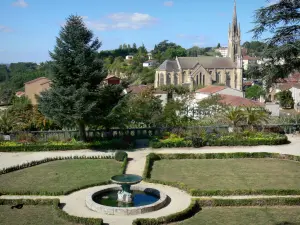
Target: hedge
x=35 y=163
x=116 y=144
x=193 y=208
x=249 y=202
x=152 y=157
x=235 y=139
x=56 y=205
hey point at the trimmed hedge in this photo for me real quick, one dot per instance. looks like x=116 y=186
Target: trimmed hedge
x=234 y=139
x=115 y=144
x=35 y=163
x=59 y=211
x=152 y=157
x=249 y=202
x=193 y=208
x=120 y=155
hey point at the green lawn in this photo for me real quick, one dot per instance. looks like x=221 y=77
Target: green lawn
x=229 y=174
x=59 y=176
x=30 y=215
x=246 y=216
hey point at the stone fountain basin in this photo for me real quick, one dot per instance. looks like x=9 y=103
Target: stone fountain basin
x=129 y=179
x=162 y=202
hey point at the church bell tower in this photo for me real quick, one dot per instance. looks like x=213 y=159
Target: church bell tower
x=234 y=40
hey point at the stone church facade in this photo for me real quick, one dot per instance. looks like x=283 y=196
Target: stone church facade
x=206 y=70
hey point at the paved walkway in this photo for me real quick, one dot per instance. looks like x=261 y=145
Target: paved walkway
x=75 y=202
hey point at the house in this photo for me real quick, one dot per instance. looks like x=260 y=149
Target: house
x=295 y=89
x=212 y=90
x=248 y=61
x=129 y=57
x=223 y=51
x=150 y=63
x=112 y=79
x=34 y=87
x=19 y=94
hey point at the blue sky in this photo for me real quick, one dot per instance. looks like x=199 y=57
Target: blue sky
x=28 y=28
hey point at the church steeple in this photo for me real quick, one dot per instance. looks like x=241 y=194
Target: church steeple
x=234 y=38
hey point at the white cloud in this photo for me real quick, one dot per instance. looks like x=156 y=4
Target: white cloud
x=168 y=3
x=84 y=17
x=272 y=2
x=121 y=21
x=5 y=29
x=20 y=3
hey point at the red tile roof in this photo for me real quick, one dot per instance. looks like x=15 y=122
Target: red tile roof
x=211 y=89
x=247 y=83
x=111 y=76
x=247 y=57
x=286 y=86
x=239 y=101
x=37 y=79
x=20 y=93
x=136 y=89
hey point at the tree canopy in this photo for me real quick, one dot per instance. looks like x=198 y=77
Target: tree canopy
x=281 y=21
x=76 y=96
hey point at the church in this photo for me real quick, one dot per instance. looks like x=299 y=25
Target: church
x=206 y=70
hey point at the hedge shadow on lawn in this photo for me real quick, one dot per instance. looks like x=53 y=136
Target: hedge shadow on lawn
x=152 y=157
x=46 y=160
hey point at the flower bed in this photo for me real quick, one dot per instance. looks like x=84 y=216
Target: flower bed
x=9 y=146
x=219 y=139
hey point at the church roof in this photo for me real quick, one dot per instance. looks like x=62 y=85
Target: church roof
x=206 y=62
x=168 y=65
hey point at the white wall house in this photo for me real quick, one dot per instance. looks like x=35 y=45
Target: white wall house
x=150 y=63
x=223 y=51
x=129 y=57
x=296 y=95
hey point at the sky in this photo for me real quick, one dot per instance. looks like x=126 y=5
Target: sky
x=28 y=28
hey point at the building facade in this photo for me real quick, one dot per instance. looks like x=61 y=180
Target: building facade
x=206 y=70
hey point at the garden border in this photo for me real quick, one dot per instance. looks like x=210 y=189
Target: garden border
x=152 y=157
x=59 y=211
x=46 y=160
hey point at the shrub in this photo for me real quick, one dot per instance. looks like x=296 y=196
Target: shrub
x=120 y=156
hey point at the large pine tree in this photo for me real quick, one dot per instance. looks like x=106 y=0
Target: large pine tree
x=76 y=97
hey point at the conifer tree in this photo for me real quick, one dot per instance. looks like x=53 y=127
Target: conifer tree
x=76 y=97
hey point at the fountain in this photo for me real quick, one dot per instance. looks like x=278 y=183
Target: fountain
x=126 y=180
x=126 y=198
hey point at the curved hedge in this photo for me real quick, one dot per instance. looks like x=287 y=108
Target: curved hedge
x=152 y=157
x=193 y=208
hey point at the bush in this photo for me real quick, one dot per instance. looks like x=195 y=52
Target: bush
x=246 y=138
x=9 y=146
x=120 y=156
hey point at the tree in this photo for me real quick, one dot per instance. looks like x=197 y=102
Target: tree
x=235 y=116
x=254 y=71
x=256 y=116
x=219 y=45
x=7 y=122
x=76 y=96
x=281 y=20
x=285 y=99
x=254 y=92
x=210 y=106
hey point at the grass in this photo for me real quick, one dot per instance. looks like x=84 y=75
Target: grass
x=229 y=174
x=59 y=176
x=31 y=215
x=249 y=216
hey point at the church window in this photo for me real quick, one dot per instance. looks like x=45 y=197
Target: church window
x=161 y=79
x=168 y=79
x=176 y=79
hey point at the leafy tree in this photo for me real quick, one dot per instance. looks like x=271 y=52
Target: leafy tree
x=254 y=71
x=255 y=48
x=167 y=50
x=172 y=114
x=76 y=96
x=254 y=92
x=285 y=99
x=281 y=20
x=4 y=74
x=210 y=106
x=177 y=89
